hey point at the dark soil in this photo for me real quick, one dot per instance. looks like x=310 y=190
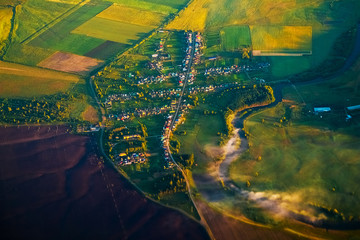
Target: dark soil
x=54 y=186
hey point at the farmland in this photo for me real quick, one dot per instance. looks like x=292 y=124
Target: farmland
x=59 y=36
x=71 y=63
x=281 y=39
x=22 y=81
x=132 y=15
x=267 y=20
x=181 y=96
x=90 y=28
x=235 y=37
x=192 y=18
x=151 y=5
x=109 y=30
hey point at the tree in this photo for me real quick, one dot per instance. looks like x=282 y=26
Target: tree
x=190 y=161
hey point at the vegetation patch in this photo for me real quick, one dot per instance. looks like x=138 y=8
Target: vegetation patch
x=35 y=14
x=171 y=3
x=279 y=40
x=67 y=62
x=235 y=38
x=112 y=30
x=90 y=114
x=59 y=36
x=106 y=50
x=191 y=18
x=151 y=5
x=26 y=54
x=132 y=15
x=6 y=15
x=23 y=81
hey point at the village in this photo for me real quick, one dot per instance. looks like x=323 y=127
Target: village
x=169 y=103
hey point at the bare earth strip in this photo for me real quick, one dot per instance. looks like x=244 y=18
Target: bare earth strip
x=72 y=63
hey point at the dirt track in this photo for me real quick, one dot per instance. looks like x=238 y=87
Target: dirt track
x=52 y=186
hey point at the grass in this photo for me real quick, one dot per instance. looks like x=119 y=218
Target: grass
x=235 y=38
x=34 y=14
x=5 y=23
x=192 y=18
x=132 y=15
x=178 y=4
x=281 y=39
x=59 y=37
x=29 y=55
x=201 y=135
x=147 y=5
x=344 y=91
x=306 y=160
x=112 y=30
x=90 y=114
x=311 y=163
x=23 y=81
x=182 y=201
x=106 y=50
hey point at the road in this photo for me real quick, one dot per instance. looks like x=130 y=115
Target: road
x=187 y=76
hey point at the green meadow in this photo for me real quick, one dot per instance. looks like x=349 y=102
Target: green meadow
x=235 y=38
x=112 y=30
x=307 y=161
x=19 y=81
x=59 y=37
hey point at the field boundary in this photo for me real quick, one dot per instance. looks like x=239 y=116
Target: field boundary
x=267 y=53
x=55 y=21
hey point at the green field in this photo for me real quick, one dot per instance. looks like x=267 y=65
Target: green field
x=147 y=5
x=281 y=39
x=178 y=4
x=305 y=164
x=308 y=161
x=35 y=14
x=112 y=30
x=26 y=82
x=328 y=20
x=106 y=50
x=235 y=38
x=59 y=37
x=136 y=16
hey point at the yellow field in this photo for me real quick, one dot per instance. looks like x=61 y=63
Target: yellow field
x=5 y=22
x=192 y=18
x=132 y=15
x=260 y=12
x=281 y=38
x=22 y=81
x=66 y=1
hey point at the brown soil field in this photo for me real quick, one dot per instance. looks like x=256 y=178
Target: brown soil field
x=53 y=186
x=72 y=63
